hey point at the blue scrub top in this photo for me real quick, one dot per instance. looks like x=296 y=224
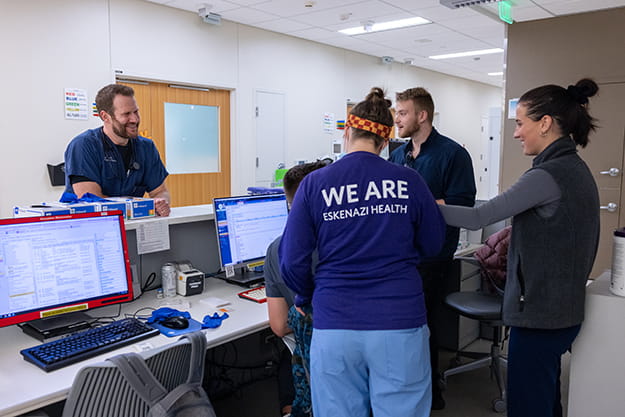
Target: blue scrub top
x=93 y=155
x=447 y=169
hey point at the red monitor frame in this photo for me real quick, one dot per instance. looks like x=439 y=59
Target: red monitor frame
x=82 y=305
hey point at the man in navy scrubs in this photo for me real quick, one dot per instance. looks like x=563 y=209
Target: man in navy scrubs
x=113 y=160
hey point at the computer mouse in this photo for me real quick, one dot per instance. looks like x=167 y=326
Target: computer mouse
x=176 y=322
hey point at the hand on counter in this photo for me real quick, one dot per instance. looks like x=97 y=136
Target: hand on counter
x=162 y=207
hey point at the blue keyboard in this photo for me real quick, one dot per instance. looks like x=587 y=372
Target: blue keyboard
x=89 y=343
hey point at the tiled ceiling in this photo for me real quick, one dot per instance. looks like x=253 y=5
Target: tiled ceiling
x=452 y=30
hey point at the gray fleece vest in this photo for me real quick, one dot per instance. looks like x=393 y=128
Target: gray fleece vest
x=550 y=259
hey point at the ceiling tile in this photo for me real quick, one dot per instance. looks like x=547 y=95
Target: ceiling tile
x=215 y=6
x=315 y=34
x=289 y=8
x=352 y=15
x=411 y=5
x=283 y=25
x=247 y=16
x=247 y=2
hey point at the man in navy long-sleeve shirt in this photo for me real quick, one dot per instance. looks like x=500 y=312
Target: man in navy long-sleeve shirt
x=447 y=169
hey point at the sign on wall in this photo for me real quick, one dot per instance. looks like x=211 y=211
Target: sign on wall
x=76 y=104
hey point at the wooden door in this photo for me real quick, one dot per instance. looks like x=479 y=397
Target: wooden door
x=195 y=188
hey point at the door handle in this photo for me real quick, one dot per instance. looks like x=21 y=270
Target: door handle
x=613 y=172
x=611 y=207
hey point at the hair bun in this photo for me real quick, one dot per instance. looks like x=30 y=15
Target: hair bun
x=577 y=94
x=377 y=94
x=583 y=89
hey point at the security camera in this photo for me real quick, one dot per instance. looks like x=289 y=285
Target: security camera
x=209 y=17
x=204 y=10
x=387 y=60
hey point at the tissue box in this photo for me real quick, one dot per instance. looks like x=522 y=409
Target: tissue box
x=39 y=210
x=112 y=206
x=137 y=207
x=74 y=208
x=80 y=207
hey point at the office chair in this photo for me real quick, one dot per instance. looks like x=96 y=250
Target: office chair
x=100 y=390
x=486 y=307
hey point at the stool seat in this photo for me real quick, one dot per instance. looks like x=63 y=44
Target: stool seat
x=476 y=305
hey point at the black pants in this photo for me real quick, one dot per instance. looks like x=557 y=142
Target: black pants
x=534 y=357
x=434 y=276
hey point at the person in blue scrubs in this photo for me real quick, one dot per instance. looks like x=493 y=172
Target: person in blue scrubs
x=113 y=160
x=371 y=222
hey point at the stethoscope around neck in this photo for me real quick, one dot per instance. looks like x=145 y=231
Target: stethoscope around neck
x=134 y=165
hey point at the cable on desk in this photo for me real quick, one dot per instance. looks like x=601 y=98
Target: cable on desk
x=107 y=319
x=212 y=274
x=149 y=282
x=136 y=314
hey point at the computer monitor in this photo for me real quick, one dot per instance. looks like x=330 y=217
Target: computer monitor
x=245 y=226
x=50 y=266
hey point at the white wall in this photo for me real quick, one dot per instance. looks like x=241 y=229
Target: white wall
x=54 y=44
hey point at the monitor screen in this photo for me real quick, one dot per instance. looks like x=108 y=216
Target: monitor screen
x=62 y=264
x=246 y=226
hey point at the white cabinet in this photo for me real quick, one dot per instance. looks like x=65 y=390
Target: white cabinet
x=597 y=368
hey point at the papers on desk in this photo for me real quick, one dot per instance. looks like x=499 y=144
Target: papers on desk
x=214 y=302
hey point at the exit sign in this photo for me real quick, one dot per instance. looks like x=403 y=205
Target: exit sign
x=505 y=12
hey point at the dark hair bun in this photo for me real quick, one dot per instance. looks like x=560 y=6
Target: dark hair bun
x=582 y=90
x=587 y=87
x=377 y=94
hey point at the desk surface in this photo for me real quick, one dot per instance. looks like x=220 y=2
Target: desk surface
x=186 y=214
x=25 y=387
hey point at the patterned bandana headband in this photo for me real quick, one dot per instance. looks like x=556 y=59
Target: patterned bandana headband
x=370 y=126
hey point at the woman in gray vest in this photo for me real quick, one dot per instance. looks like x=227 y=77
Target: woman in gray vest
x=555 y=233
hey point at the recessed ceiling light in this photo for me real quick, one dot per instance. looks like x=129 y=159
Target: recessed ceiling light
x=309 y=4
x=467 y=53
x=376 y=27
x=495 y=73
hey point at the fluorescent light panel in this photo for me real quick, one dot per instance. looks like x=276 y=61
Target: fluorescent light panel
x=394 y=24
x=495 y=73
x=467 y=53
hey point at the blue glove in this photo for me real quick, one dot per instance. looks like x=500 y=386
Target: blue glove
x=211 y=322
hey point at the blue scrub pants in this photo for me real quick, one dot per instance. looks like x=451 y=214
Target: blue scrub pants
x=534 y=370
x=355 y=371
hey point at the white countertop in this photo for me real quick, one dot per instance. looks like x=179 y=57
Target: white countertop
x=187 y=214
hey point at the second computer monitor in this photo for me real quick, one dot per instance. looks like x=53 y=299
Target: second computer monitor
x=245 y=226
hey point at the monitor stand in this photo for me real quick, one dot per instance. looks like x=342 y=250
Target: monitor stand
x=243 y=277
x=48 y=328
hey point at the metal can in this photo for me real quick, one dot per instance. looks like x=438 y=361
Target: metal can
x=168 y=279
